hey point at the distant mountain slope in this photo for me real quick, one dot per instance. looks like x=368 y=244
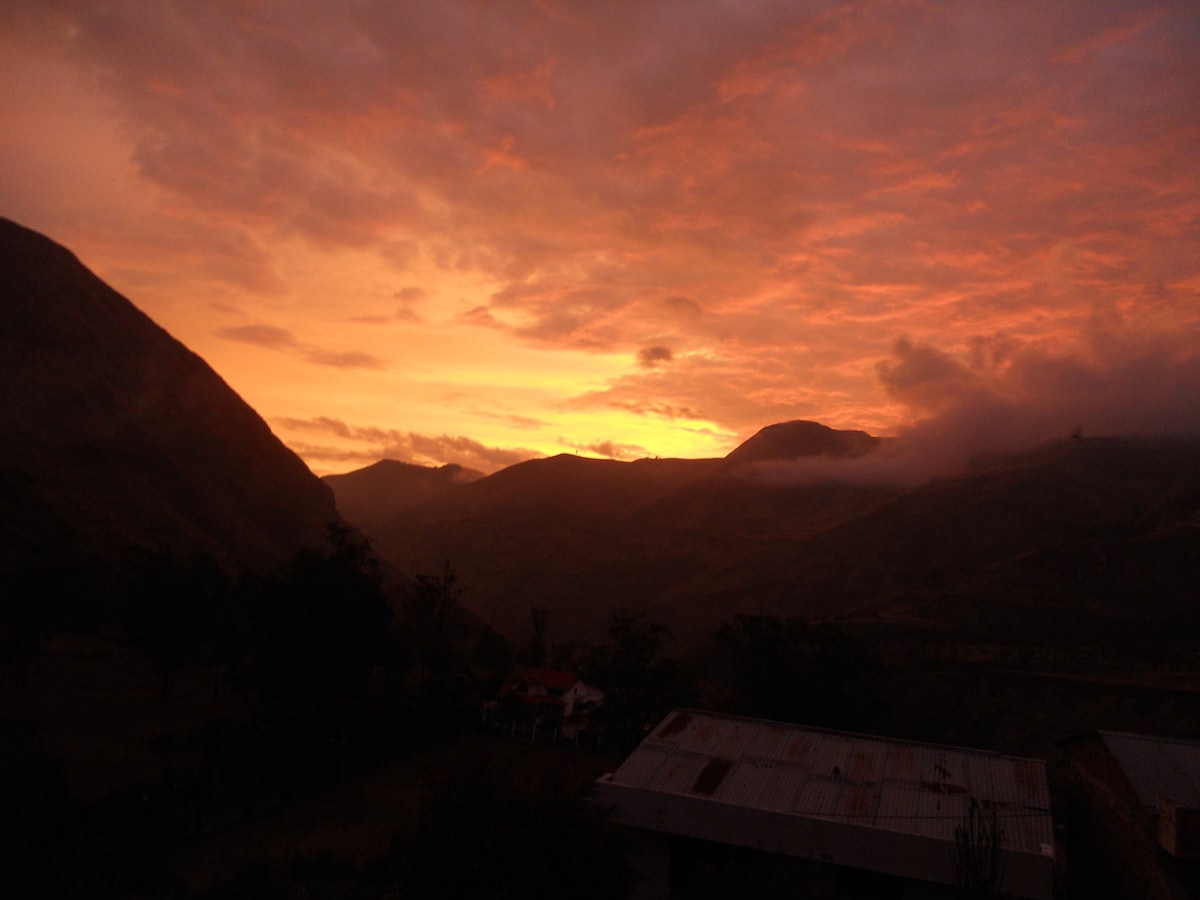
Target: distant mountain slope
x=113 y=433
x=1055 y=535
x=378 y=492
x=1078 y=535
x=584 y=536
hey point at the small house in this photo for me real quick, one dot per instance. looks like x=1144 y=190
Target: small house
x=545 y=698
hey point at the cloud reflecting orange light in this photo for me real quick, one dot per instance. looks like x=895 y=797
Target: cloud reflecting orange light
x=473 y=232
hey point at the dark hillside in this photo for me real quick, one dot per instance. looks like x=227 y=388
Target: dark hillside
x=682 y=540
x=1053 y=541
x=112 y=433
x=1067 y=542
x=375 y=494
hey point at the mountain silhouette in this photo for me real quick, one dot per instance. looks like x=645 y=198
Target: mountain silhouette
x=113 y=434
x=798 y=439
x=583 y=536
x=1076 y=535
x=380 y=491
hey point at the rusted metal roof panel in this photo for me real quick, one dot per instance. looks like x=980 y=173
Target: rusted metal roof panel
x=939 y=814
x=671 y=727
x=678 y=775
x=714 y=773
x=728 y=739
x=941 y=770
x=866 y=761
x=821 y=796
x=990 y=778
x=831 y=755
x=656 y=769
x=770 y=742
x=922 y=789
x=860 y=804
x=909 y=809
x=641 y=768
x=760 y=785
x=710 y=775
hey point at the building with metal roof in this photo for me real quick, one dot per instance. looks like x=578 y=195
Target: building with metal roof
x=1158 y=768
x=849 y=800
x=1141 y=797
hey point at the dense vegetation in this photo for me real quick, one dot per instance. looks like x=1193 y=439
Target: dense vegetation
x=260 y=695
x=317 y=675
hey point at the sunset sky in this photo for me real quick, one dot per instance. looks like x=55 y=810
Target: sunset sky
x=477 y=232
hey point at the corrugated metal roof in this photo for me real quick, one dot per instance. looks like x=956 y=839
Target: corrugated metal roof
x=1158 y=767
x=901 y=786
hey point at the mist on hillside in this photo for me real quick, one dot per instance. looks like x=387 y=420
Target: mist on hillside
x=1006 y=401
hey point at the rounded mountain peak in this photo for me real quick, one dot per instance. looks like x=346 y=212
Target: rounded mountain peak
x=801 y=438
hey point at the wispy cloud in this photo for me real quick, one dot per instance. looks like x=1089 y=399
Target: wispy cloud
x=260 y=335
x=273 y=338
x=346 y=359
x=608 y=400
x=609 y=449
x=366 y=444
x=514 y=420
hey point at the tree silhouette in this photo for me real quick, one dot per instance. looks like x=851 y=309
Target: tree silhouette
x=640 y=684
x=434 y=628
x=788 y=670
x=769 y=658
x=312 y=636
x=171 y=610
x=538 y=648
x=492 y=654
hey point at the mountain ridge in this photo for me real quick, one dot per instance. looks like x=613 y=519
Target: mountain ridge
x=709 y=540
x=113 y=433
x=799 y=439
x=383 y=489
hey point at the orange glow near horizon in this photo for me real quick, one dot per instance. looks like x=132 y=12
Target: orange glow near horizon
x=477 y=234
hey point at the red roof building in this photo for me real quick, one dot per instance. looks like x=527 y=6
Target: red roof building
x=555 y=697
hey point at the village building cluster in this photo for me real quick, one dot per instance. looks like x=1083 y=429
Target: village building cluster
x=858 y=812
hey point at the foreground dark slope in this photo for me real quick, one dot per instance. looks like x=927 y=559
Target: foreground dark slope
x=112 y=433
x=1067 y=541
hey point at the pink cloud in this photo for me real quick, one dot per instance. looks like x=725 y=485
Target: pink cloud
x=772 y=193
x=1010 y=397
